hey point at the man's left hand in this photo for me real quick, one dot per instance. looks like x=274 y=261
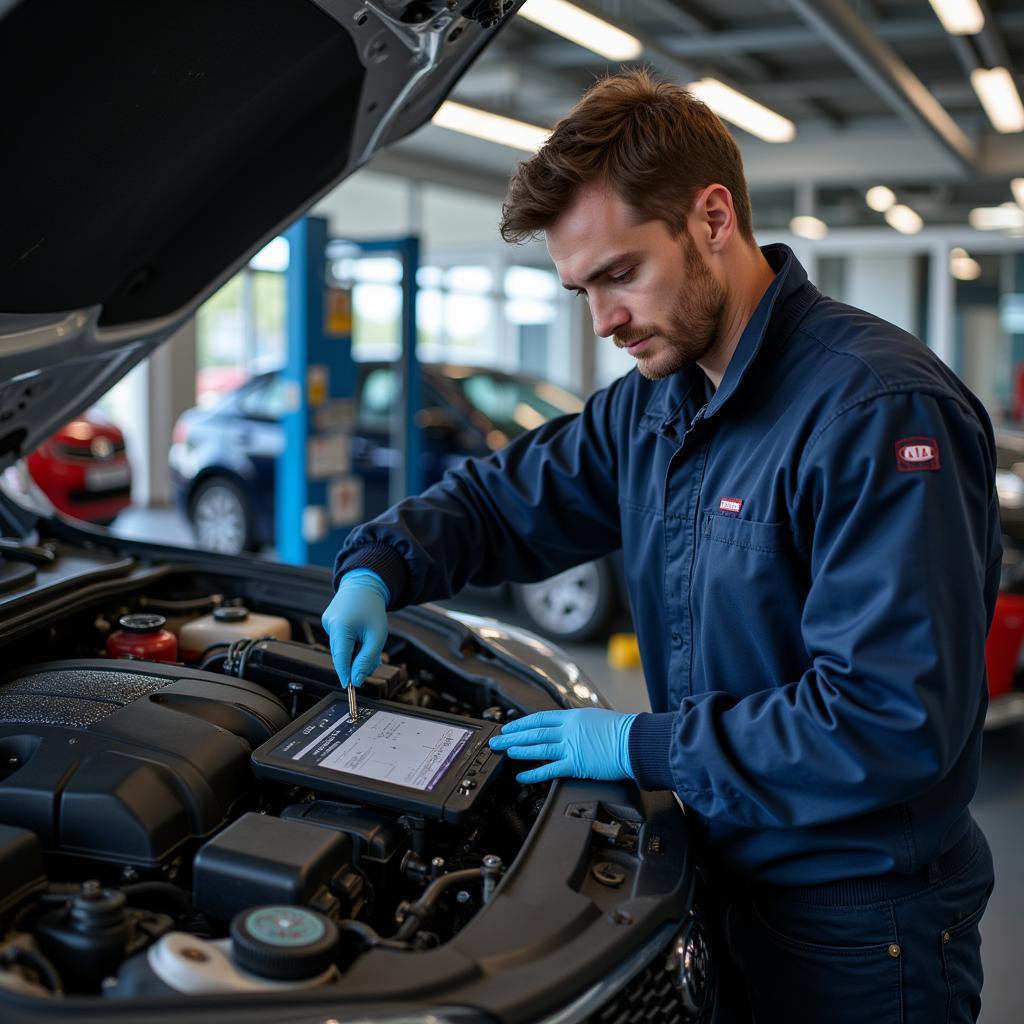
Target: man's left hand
x=585 y=743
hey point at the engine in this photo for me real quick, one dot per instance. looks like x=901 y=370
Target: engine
x=139 y=853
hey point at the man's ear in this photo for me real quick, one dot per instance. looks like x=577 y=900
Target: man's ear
x=715 y=216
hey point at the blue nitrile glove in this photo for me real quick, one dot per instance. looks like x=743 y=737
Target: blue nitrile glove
x=585 y=743
x=357 y=614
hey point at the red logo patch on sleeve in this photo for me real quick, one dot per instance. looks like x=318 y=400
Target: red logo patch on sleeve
x=914 y=453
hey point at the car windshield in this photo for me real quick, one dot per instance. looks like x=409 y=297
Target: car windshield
x=516 y=404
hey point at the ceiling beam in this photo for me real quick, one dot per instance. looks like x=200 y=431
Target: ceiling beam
x=651 y=44
x=672 y=16
x=991 y=44
x=772 y=38
x=881 y=68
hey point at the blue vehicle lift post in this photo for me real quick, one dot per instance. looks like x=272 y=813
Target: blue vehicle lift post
x=319 y=374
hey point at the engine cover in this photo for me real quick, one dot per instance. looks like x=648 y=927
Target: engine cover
x=116 y=762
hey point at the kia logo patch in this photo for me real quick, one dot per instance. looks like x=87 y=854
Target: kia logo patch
x=916 y=453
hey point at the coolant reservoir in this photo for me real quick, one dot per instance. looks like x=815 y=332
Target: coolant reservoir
x=226 y=625
x=142 y=636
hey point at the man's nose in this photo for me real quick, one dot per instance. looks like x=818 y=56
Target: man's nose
x=608 y=317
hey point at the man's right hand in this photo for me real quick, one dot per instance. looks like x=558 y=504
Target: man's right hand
x=357 y=614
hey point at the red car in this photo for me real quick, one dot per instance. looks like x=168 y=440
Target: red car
x=83 y=469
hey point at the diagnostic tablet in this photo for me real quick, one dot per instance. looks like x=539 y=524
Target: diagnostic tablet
x=395 y=756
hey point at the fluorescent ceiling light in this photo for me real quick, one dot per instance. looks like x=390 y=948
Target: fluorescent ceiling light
x=996 y=218
x=998 y=94
x=903 y=219
x=504 y=130
x=808 y=227
x=962 y=267
x=1017 y=187
x=959 y=17
x=742 y=111
x=582 y=28
x=880 y=198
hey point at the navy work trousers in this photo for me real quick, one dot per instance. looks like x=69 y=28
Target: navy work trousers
x=891 y=950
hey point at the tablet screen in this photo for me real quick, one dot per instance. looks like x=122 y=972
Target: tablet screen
x=404 y=750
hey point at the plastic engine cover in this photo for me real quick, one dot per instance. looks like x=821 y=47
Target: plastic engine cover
x=117 y=762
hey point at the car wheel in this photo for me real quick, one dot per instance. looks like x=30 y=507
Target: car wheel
x=220 y=516
x=574 y=605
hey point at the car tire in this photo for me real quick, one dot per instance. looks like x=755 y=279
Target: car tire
x=574 y=606
x=220 y=516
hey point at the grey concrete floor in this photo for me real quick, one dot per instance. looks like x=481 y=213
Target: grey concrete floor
x=998 y=805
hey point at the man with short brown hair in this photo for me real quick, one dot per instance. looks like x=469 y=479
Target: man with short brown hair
x=805 y=499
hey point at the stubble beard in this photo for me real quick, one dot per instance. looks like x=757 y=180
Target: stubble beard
x=692 y=328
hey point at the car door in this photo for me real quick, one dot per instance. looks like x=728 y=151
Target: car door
x=446 y=436
x=374 y=452
x=256 y=434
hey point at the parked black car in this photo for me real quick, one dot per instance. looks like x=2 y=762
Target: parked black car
x=223 y=466
x=148 y=870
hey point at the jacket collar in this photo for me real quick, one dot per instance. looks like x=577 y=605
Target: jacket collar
x=781 y=308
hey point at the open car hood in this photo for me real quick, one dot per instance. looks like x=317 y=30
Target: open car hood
x=152 y=149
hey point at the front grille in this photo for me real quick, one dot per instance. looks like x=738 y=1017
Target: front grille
x=83 y=453
x=650 y=998
x=79 y=496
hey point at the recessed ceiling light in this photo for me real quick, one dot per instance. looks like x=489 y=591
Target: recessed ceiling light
x=903 y=219
x=493 y=127
x=808 y=227
x=742 y=111
x=582 y=28
x=998 y=94
x=880 y=198
x=959 y=17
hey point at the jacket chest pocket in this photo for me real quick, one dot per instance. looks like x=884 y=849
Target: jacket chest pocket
x=749 y=535
x=748 y=574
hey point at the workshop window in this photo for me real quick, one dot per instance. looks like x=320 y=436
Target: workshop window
x=265 y=400
x=377 y=398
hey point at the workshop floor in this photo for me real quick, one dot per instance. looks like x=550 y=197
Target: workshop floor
x=998 y=805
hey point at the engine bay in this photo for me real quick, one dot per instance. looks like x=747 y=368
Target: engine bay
x=141 y=855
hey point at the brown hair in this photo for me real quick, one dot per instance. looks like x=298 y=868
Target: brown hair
x=655 y=144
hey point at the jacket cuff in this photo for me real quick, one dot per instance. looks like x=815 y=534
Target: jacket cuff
x=384 y=560
x=650 y=744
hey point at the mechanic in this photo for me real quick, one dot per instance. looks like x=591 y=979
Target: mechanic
x=804 y=495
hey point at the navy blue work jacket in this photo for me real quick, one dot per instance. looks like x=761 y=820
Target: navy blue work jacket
x=812 y=554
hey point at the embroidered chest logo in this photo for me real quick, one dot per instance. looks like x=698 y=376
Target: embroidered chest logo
x=730 y=505
x=914 y=453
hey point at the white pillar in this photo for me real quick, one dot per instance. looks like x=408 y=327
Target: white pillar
x=166 y=388
x=885 y=285
x=941 y=302
x=582 y=357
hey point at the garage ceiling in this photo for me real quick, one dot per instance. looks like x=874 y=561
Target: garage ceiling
x=880 y=94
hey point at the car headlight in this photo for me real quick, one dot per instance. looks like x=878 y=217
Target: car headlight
x=688 y=965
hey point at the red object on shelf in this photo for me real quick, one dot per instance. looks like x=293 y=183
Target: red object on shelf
x=1002 y=649
x=143 y=636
